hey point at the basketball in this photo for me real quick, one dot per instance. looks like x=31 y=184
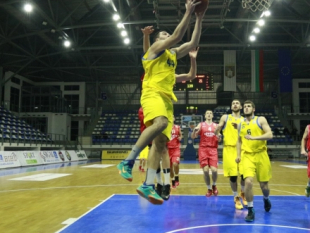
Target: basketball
x=202 y=6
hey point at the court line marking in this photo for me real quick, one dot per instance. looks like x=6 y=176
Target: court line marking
x=116 y=185
x=221 y=225
x=85 y=213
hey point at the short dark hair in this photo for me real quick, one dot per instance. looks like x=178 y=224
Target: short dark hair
x=249 y=102
x=156 y=35
x=236 y=100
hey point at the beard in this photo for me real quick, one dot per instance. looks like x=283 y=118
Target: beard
x=248 y=114
x=235 y=111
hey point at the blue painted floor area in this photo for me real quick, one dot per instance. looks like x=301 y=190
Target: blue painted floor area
x=19 y=170
x=194 y=214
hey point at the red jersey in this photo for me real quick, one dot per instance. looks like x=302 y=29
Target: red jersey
x=308 y=138
x=141 y=119
x=207 y=136
x=175 y=134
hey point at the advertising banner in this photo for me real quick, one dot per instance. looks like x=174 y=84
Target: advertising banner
x=29 y=158
x=9 y=159
x=50 y=157
x=114 y=154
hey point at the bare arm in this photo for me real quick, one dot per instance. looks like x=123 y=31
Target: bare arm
x=147 y=31
x=178 y=33
x=193 y=70
x=185 y=48
x=266 y=128
x=196 y=131
x=303 y=143
x=181 y=135
x=220 y=124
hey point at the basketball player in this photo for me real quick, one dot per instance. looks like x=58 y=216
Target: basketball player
x=207 y=152
x=305 y=143
x=159 y=63
x=175 y=153
x=228 y=124
x=162 y=188
x=254 y=132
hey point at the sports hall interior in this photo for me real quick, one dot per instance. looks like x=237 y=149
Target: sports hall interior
x=70 y=82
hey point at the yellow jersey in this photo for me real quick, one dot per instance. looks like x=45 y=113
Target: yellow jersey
x=160 y=72
x=252 y=128
x=229 y=132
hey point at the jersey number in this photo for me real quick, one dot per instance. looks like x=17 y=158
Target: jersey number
x=248 y=132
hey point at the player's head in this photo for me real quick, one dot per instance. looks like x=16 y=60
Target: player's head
x=236 y=106
x=248 y=108
x=161 y=35
x=209 y=115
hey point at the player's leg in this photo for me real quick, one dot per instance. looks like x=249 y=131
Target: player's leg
x=156 y=120
x=213 y=161
x=147 y=189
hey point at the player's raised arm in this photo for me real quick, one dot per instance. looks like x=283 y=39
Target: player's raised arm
x=178 y=33
x=147 y=31
x=193 y=70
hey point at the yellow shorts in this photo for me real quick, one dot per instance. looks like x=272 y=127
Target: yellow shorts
x=156 y=104
x=258 y=163
x=230 y=167
x=144 y=153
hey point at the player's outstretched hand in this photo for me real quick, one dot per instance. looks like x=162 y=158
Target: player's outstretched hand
x=148 y=30
x=190 y=5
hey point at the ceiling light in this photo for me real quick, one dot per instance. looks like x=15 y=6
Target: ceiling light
x=267 y=13
x=28 y=7
x=106 y=0
x=120 y=25
x=256 y=30
x=124 y=33
x=116 y=17
x=252 y=38
x=126 y=41
x=261 y=22
x=67 y=43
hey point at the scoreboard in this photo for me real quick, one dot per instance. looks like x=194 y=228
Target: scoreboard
x=202 y=82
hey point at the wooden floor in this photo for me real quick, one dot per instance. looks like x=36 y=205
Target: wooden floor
x=41 y=206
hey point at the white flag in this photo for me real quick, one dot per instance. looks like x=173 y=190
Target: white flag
x=230 y=70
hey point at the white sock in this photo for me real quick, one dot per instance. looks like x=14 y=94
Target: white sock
x=209 y=186
x=150 y=176
x=250 y=204
x=235 y=194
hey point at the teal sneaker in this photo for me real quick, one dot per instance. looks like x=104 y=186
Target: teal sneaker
x=251 y=215
x=307 y=191
x=148 y=192
x=125 y=169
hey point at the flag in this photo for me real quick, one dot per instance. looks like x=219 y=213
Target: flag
x=257 y=70
x=230 y=70
x=285 y=70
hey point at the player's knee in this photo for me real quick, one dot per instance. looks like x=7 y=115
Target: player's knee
x=233 y=179
x=162 y=123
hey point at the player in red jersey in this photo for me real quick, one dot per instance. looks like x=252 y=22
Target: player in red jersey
x=305 y=150
x=175 y=153
x=207 y=152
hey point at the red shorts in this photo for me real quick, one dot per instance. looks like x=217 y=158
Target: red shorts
x=308 y=170
x=208 y=156
x=174 y=155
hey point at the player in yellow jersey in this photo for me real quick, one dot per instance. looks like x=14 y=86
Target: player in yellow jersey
x=228 y=124
x=159 y=63
x=254 y=132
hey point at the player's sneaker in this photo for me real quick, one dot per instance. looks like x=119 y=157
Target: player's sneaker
x=209 y=193
x=142 y=170
x=244 y=201
x=177 y=182
x=165 y=194
x=251 y=215
x=159 y=189
x=125 y=169
x=214 y=190
x=173 y=184
x=267 y=204
x=148 y=192
x=238 y=204
x=307 y=191
x=139 y=168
